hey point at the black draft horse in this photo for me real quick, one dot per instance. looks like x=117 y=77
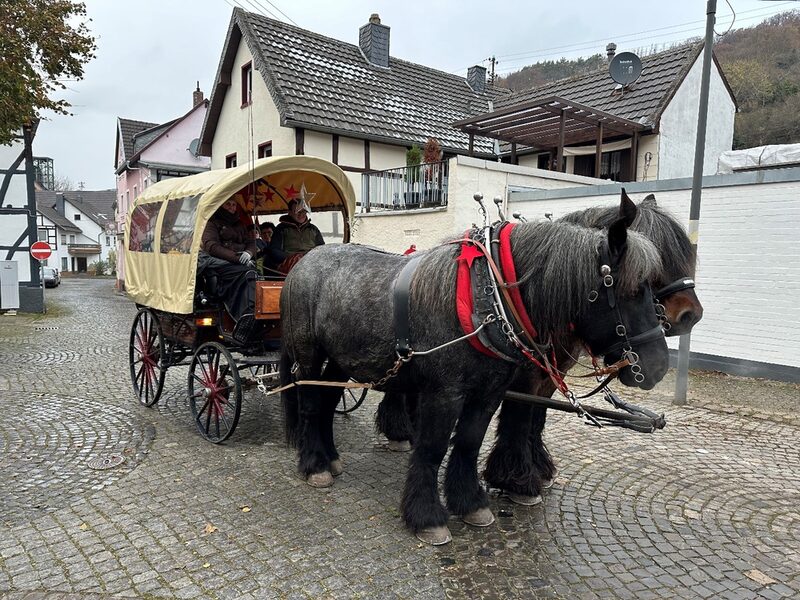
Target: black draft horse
x=337 y=317
x=519 y=462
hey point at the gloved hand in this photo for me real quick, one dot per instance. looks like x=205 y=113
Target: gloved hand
x=245 y=257
x=251 y=264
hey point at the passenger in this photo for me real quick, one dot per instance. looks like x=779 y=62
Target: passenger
x=264 y=262
x=228 y=252
x=294 y=236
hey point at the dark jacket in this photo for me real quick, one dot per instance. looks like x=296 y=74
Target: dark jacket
x=291 y=237
x=225 y=237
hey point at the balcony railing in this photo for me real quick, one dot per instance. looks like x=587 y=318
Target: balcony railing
x=405 y=188
x=83 y=249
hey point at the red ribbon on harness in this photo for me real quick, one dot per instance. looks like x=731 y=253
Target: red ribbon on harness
x=510 y=275
x=464 y=306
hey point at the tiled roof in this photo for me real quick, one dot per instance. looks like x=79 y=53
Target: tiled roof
x=643 y=101
x=128 y=128
x=47 y=210
x=143 y=138
x=97 y=205
x=326 y=84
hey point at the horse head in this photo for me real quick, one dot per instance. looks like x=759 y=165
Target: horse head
x=673 y=286
x=620 y=322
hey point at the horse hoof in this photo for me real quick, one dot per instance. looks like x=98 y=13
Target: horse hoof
x=524 y=500
x=548 y=483
x=336 y=467
x=320 y=480
x=403 y=446
x=482 y=517
x=435 y=536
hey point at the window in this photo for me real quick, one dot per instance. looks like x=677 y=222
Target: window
x=108 y=241
x=230 y=161
x=63 y=238
x=135 y=192
x=76 y=218
x=42 y=235
x=177 y=228
x=71 y=238
x=64 y=263
x=143 y=227
x=247 y=84
x=265 y=149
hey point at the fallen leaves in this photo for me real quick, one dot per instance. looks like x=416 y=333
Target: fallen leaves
x=759 y=577
x=210 y=528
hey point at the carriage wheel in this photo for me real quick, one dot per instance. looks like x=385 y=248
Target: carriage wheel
x=146 y=354
x=215 y=392
x=352 y=398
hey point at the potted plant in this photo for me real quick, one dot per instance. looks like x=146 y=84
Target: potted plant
x=432 y=155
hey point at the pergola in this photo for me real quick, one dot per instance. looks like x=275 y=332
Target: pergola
x=551 y=122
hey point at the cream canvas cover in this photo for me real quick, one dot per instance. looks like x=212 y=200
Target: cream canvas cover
x=164 y=226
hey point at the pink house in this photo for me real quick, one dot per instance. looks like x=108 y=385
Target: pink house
x=146 y=153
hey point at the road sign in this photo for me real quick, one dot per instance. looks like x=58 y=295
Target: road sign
x=41 y=250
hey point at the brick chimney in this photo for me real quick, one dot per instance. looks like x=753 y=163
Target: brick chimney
x=476 y=78
x=197 y=96
x=373 y=38
x=611 y=50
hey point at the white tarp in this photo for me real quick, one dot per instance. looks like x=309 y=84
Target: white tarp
x=760 y=156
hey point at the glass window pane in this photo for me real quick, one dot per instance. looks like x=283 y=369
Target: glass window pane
x=143 y=227
x=177 y=229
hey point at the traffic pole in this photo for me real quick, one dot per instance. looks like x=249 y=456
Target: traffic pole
x=682 y=379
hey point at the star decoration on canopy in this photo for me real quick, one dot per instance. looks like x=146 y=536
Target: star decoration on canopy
x=291 y=193
x=306 y=195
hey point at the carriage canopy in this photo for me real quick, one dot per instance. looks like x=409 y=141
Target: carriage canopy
x=165 y=224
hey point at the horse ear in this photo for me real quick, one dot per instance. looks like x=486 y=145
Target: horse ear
x=627 y=209
x=618 y=231
x=649 y=201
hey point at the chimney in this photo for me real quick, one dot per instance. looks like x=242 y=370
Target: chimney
x=197 y=96
x=373 y=38
x=611 y=50
x=476 y=78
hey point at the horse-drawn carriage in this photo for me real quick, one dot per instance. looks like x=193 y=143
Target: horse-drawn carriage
x=181 y=320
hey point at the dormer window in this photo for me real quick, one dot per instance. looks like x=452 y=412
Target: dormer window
x=247 y=84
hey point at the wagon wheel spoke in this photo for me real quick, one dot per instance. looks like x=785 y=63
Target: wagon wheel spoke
x=213 y=368
x=146 y=347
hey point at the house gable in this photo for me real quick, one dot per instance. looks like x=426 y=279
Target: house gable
x=326 y=85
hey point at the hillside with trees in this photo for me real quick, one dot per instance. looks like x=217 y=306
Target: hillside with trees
x=761 y=63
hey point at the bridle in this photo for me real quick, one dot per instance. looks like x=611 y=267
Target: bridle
x=679 y=285
x=629 y=356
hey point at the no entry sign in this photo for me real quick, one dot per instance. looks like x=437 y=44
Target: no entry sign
x=41 y=250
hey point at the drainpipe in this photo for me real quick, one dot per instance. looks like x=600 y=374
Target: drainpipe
x=682 y=379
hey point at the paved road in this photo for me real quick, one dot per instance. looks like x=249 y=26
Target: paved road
x=708 y=508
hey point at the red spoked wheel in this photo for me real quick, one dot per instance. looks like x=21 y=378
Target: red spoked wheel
x=215 y=392
x=146 y=354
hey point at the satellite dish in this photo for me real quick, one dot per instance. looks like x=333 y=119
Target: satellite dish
x=625 y=68
x=193 y=146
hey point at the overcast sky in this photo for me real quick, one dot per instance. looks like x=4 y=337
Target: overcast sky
x=151 y=53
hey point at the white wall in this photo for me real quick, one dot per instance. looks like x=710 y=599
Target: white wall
x=397 y=230
x=678 y=125
x=232 y=133
x=12 y=225
x=748 y=272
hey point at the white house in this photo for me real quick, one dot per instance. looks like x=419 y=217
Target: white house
x=147 y=153
x=79 y=225
x=284 y=90
x=17 y=223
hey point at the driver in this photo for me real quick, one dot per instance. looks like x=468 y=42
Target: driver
x=294 y=236
x=228 y=252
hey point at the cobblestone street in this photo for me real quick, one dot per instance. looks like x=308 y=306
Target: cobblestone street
x=707 y=508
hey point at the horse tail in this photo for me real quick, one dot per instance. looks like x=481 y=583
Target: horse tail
x=290 y=399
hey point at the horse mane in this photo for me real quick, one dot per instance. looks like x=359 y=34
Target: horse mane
x=560 y=263
x=657 y=225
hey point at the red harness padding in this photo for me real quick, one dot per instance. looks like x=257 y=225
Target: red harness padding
x=510 y=275
x=464 y=306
